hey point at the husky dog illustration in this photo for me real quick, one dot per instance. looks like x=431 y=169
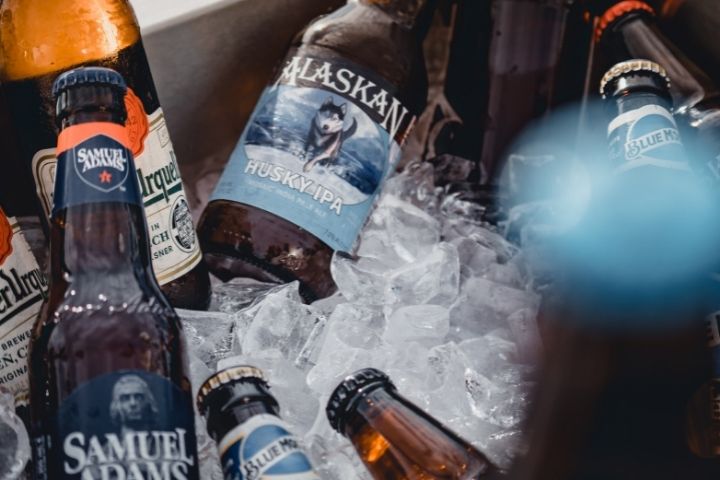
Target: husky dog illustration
x=326 y=135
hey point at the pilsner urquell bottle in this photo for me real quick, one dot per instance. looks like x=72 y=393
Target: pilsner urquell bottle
x=322 y=139
x=242 y=417
x=41 y=38
x=110 y=391
x=629 y=30
x=23 y=287
x=395 y=439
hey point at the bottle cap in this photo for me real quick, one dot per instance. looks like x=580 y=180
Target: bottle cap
x=88 y=76
x=619 y=10
x=644 y=69
x=239 y=373
x=350 y=390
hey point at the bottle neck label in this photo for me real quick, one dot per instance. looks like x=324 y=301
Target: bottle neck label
x=95 y=165
x=128 y=424
x=646 y=137
x=23 y=286
x=263 y=448
x=318 y=147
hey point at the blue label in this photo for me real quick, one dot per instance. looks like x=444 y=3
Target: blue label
x=320 y=143
x=124 y=425
x=647 y=136
x=262 y=447
x=98 y=169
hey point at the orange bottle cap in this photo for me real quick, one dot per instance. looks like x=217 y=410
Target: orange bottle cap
x=619 y=10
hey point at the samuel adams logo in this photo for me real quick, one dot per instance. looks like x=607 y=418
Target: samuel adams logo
x=129 y=425
x=101 y=162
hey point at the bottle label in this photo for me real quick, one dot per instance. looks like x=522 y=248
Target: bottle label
x=646 y=136
x=123 y=425
x=174 y=245
x=317 y=148
x=263 y=448
x=94 y=165
x=23 y=287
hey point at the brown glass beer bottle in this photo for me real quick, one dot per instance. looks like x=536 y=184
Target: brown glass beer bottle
x=629 y=30
x=110 y=391
x=323 y=137
x=397 y=440
x=41 y=38
x=243 y=418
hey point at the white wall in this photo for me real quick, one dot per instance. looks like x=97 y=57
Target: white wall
x=155 y=14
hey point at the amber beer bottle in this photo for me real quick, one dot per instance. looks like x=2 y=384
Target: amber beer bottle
x=243 y=418
x=23 y=287
x=41 y=38
x=323 y=137
x=629 y=30
x=397 y=440
x=110 y=392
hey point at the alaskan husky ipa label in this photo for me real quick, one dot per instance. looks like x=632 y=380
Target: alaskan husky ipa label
x=121 y=426
x=646 y=136
x=263 y=448
x=321 y=141
x=23 y=286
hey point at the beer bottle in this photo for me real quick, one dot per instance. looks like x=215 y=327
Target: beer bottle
x=628 y=30
x=703 y=419
x=110 y=391
x=324 y=135
x=23 y=287
x=397 y=440
x=242 y=417
x=41 y=38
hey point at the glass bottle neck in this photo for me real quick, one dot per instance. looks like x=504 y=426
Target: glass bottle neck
x=105 y=240
x=637 y=36
x=404 y=12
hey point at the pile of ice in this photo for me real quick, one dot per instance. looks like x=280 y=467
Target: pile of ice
x=436 y=299
x=14 y=443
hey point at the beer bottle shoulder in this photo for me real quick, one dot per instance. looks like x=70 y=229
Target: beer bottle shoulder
x=43 y=36
x=368 y=37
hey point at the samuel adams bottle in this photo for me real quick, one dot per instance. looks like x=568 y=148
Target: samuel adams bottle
x=110 y=394
x=41 y=38
x=395 y=439
x=323 y=137
x=242 y=417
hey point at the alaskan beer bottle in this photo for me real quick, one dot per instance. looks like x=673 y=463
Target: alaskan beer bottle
x=110 y=391
x=23 y=287
x=41 y=38
x=243 y=418
x=394 y=438
x=628 y=30
x=323 y=137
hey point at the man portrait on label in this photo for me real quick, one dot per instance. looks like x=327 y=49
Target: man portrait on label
x=133 y=405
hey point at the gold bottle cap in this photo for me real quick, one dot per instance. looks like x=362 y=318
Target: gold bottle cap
x=226 y=376
x=631 y=66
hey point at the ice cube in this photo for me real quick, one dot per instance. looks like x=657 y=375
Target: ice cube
x=237 y=294
x=209 y=334
x=484 y=306
x=278 y=322
x=417 y=323
x=14 y=441
x=433 y=279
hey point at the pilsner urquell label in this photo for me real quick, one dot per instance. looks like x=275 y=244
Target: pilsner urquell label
x=319 y=145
